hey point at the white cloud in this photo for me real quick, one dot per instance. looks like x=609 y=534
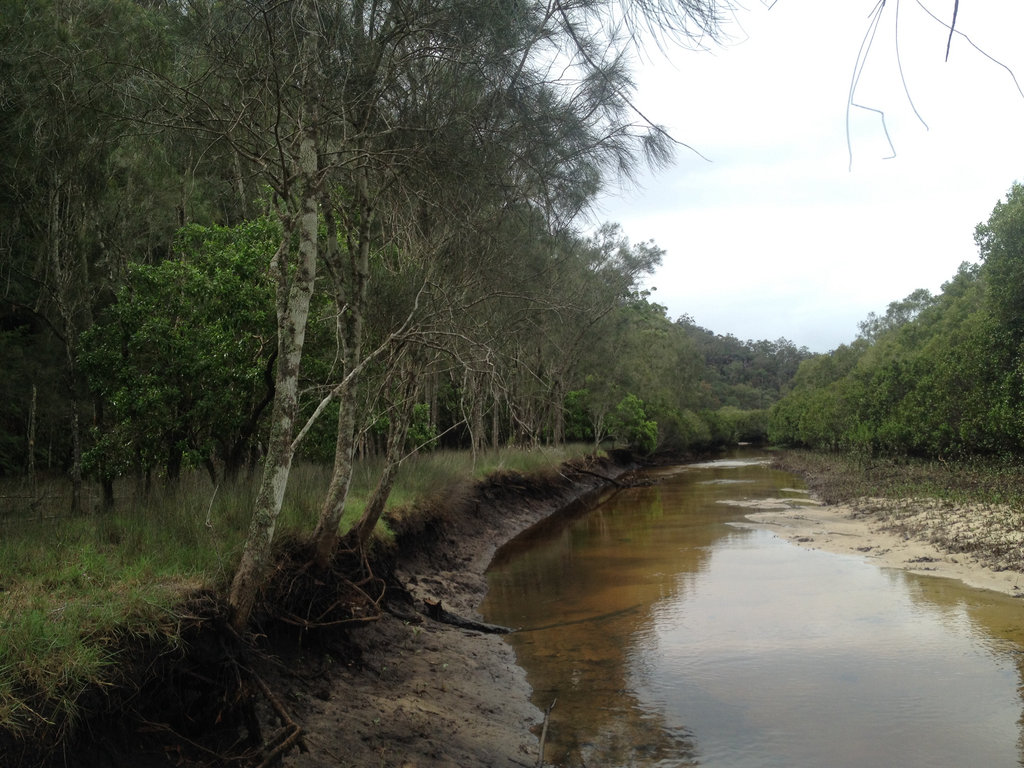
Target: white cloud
x=776 y=237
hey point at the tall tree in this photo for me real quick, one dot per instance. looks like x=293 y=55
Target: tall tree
x=384 y=121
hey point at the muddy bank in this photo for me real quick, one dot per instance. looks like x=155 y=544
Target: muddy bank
x=408 y=690
x=427 y=694
x=979 y=544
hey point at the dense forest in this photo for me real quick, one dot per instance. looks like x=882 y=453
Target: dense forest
x=234 y=235
x=937 y=376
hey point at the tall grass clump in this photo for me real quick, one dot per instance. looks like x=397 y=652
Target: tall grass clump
x=431 y=478
x=74 y=591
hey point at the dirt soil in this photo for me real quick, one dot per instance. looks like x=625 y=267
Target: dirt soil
x=411 y=691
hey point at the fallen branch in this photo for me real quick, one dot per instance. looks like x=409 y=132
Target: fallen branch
x=587 y=620
x=598 y=475
x=544 y=732
x=437 y=612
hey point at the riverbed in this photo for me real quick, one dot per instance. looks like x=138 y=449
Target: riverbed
x=666 y=630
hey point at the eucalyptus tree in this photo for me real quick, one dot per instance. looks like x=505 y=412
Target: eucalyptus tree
x=253 y=76
x=457 y=134
x=313 y=96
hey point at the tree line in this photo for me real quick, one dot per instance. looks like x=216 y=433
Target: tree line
x=935 y=376
x=238 y=233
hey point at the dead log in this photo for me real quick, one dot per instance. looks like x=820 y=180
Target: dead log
x=437 y=612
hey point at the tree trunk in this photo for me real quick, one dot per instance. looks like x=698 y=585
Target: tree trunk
x=363 y=530
x=76 y=458
x=325 y=537
x=293 y=311
x=294 y=289
x=495 y=421
x=558 y=414
x=33 y=485
x=175 y=456
x=240 y=452
x=63 y=276
x=471 y=404
x=399 y=430
x=105 y=474
x=32 y=438
x=352 y=308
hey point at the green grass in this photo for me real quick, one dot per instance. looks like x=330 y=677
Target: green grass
x=73 y=589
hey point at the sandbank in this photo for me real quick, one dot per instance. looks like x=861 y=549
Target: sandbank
x=864 y=529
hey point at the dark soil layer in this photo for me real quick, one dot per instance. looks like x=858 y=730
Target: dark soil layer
x=359 y=665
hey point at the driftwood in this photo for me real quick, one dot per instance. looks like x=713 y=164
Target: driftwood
x=544 y=732
x=437 y=612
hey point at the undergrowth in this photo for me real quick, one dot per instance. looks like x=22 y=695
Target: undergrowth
x=75 y=590
x=973 y=506
x=838 y=477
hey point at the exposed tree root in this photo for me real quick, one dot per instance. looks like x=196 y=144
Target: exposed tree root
x=289 y=734
x=194 y=697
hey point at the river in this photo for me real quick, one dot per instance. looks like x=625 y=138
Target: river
x=668 y=633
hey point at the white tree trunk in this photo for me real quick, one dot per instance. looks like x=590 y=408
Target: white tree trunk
x=293 y=298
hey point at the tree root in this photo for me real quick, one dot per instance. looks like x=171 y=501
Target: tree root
x=289 y=735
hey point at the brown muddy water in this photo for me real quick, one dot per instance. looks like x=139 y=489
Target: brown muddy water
x=668 y=635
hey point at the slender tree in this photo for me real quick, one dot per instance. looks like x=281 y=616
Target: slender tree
x=398 y=128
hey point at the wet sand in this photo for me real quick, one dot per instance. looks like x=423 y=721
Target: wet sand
x=869 y=529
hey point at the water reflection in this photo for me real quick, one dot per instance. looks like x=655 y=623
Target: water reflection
x=671 y=638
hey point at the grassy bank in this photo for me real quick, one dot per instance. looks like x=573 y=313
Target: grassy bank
x=837 y=478
x=76 y=591
x=974 y=507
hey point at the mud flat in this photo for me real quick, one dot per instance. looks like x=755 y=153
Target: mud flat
x=979 y=545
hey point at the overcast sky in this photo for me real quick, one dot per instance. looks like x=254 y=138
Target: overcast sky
x=778 y=235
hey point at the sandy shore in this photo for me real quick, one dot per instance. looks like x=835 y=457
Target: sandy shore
x=868 y=529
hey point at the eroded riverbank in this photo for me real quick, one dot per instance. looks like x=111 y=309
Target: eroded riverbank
x=417 y=692
x=428 y=694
